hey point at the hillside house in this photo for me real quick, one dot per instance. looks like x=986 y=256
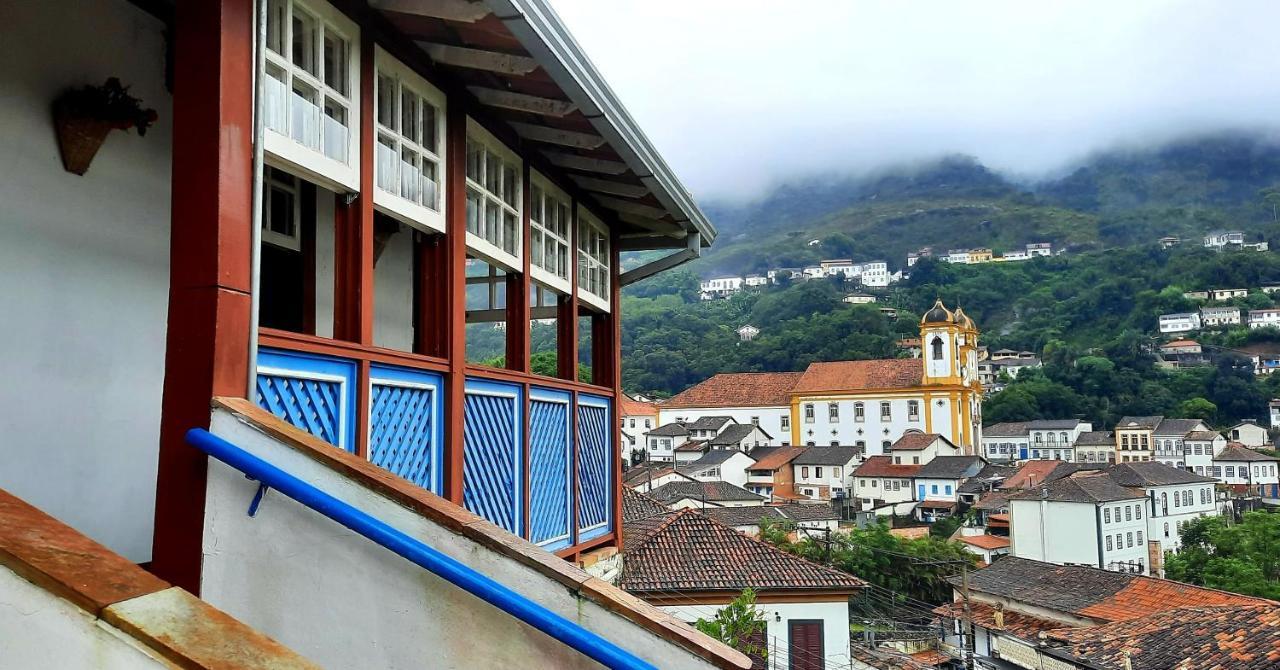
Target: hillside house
x=825 y=473
x=1182 y=322
x=289 y=272
x=637 y=418
x=1169 y=242
x=1196 y=295
x=884 y=487
x=859 y=299
x=771 y=475
x=1264 y=318
x=1224 y=294
x=1183 y=353
x=1219 y=317
x=761 y=398
x=875 y=274
x=1040 y=249
x=937 y=485
x=719 y=287
x=1248 y=433
x=1219 y=239
x=920 y=448
x=1273 y=410
x=1246 y=471
x=755 y=281
x=663 y=441
x=747 y=332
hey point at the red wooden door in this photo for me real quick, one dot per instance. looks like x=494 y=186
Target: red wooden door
x=804 y=645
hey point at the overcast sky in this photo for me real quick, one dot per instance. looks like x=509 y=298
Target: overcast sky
x=741 y=94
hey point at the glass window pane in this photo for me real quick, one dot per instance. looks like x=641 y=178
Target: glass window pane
x=387 y=101
x=304 y=41
x=475 y=206
x=492 y=176
x=385 y=168
x=409 y=121
x=510 y=185
x=277 y=20
x=510 y=233
x=429 y=130
x=491 y=213
x=430 y=186
x=475 y=162
x=336 y=70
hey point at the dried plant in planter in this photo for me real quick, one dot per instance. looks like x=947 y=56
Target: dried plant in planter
x=84 y=116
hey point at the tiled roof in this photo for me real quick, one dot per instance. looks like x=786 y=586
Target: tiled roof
x=777 y=458
x=1053 y=424
x=937 y=504
x=1177 y=427
x=890 y=373
x=1009 y=429
x=1234 y=451
x=808 y=512
x=669 y=430
x=688 y=551
x=986 y=541
x=633 y=407
x=993 y=501
x=738 y=389
x=1084 y=489
x=710 y=459
x=638 y=474
x=1096 y=438
x=709 y=423
x=917 y=441
x=1139 y=422
x=883 y=466
x=637 y=506
x=1017 y=624
x=827 y=456
x=1153 y=473
x=885 y=658
x=693 y=445
x=710 y=491
x=1203 y=435
x=743 y=516
x=735 y=434
x=991 y=475
x=931 y=658
x=1091 y=592
x=1031 y=473
x=951 y=467
x=1240 y=637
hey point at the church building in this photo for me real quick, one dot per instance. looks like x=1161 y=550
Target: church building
x=872 y=403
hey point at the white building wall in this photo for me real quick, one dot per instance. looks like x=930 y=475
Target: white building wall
x=771 y=418
x=835 y=627
x=871 y=430
x=1165 y=518
x=942 y=486
x=1054 y=532
x=882 y=488
x=374 y=609
x=86 y=263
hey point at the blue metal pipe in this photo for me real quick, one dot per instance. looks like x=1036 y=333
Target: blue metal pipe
x=588 y=643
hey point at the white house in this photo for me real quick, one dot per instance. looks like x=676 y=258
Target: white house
x=1179 y=323
x=724 y=466
x=1248 y=433
x=1169 y=439
x=720 y=287
x=1221 y=294
x=1217 y=317
x=1198 y=449
x=662 y=441
x=753 y=281
x=700 y=494
x=920 y=448
x=747 y=332
x=824 y=473
x=960 y=256
x=761 y=398
x=648 y=476
x=859 y=298
x=876 y=274
x=636 y=418
x=805 y=605
x=841 y=266
x=1096 y=446
x=1274 y=408
x=1081 y=520
x=1264 y=318
x=1055 y=439
x=707 y=427
x=985 y=546
x=1174 y=497
x=883 y=486
x=937 y=484
x=1040 y=249
x=1008 y=441
x=1218 y=239
x=1246 y=470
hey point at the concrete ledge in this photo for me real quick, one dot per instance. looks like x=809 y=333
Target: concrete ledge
x=458 y=520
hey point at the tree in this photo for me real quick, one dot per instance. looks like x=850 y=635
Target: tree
x=1243 y=558
x=739 y=625
x=1198 y=408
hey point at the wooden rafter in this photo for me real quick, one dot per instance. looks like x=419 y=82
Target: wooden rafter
x=629 y=207
x=522 y=102
x=666 y=228
x=449 y=10
x=549 y=135
x=585 y=163
x=480 y=59
x=610 y=187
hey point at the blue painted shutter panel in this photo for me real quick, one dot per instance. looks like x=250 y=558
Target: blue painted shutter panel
x=491 y=484
x=594 y=459
x=550 y=483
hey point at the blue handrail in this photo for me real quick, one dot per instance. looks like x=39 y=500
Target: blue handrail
x=588 y=643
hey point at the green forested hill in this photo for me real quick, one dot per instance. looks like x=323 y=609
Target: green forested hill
x=1091 y=312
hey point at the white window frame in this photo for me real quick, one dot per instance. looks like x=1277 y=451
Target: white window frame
x=593 y=259
x=539 y=233
x=491 y=251
x=281 y=149
x=289 y=183
x=426 y=216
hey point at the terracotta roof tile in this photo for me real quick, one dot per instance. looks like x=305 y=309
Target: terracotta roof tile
x=885 y=658
x=890 y=373
x=1017 y=624
x=737 y=389
x=637 y=506
x=688 y=551
x=711 y=491
x=883 y=466
x=633 y=407
x=987 y=542
x=778 y=459
x=1031 y=473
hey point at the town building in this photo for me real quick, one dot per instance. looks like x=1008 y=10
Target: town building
x=707 y=427
x=1169 y=437
x=1175 y=497
x=719 y=287
x=985 y=546
x=1183 y=322
x=719 y=466
x=937 y=484
x=1030 y=614
x=805 y=605
x=960 y=256
x=1040 y=249
x=859 y=299
x=1248 y=433
x=1055 y=439
x=1134 y=437
x=1224 y=294
x=1273 y=410
x=1198 y=449
x=771 y=476
x=875 y=274
x=872 y=403
x=1006 y=441
x=1196 y=295
x=1169 y=242
x=747 y=332
x=663 y=441
x=825 y=473
x=1183 y=353
x=649 y=475
x=755 y=281
x=762 y=398
x=1219 y=317
x=920 y=448
x=702 y=494
x=1081 y=520
x=740 y=437
x=1219 y=239
x=1098 y=446
x=882 y=486
x=286 y=273
x=1246 y=471
x=637 y=418
x=1264 y=318
x=989 y=371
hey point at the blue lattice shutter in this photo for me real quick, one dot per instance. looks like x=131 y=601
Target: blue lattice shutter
x=594 y=462
x=492 y=436
x=314 y=393
x=405 y=431
x=550 y=460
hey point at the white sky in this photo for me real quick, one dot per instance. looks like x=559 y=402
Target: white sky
x=742 y=94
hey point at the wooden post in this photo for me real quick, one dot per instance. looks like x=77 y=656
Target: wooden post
x=207 y=344
x=614 y=347
x=567 y=309
x=454 y=312
x=519 y=290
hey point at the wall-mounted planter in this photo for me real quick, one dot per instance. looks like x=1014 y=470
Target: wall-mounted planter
x=79 y=138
